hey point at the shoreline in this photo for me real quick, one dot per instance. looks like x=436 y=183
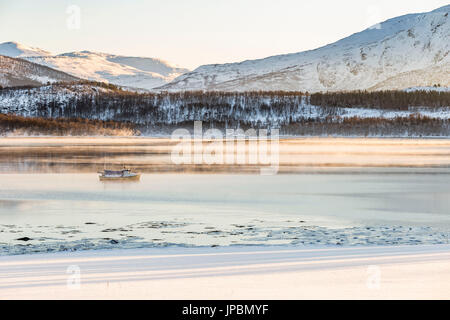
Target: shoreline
x=292 y=235
x=399 y=272
x=307 y=237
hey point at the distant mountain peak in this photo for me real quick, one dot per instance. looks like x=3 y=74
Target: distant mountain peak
x=135 y=72
x=15 y=50
x=83 y=54
x=407 y=51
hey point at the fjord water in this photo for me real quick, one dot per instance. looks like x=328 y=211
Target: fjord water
x=50 y=193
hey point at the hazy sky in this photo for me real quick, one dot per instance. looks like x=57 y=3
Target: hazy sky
x=189 y=33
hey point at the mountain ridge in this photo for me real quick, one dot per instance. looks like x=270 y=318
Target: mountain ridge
x=330 y=68
x=17 y=50
x=21 y=72
x=134 y=72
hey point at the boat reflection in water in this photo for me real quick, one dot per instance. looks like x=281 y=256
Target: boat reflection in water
x=120 y=175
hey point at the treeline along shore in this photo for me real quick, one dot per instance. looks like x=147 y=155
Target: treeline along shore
x=11 y=124
x=113 y=109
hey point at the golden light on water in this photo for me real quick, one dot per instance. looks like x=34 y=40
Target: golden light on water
x=154 y=154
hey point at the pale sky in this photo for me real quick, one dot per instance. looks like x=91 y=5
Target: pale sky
x=189 y=33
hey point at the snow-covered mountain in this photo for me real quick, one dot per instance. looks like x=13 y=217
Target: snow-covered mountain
x=134 y=72
x=19 y=72
x=17 y=50
x=407 y=51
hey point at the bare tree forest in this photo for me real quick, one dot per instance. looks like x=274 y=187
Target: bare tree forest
x=293 y=112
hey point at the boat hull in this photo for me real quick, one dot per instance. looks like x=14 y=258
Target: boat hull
x=129 y=178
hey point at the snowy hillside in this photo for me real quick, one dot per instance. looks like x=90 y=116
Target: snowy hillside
x=257 y=109
x=134 y=72
x=407 y=51
x=18 y=72
x=394 y=113
x=17 y=50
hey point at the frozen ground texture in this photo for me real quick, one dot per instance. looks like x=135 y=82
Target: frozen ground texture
x=43 y=239
x=403 y=272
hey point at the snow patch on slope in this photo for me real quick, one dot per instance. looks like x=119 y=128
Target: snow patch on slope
x=437 y=89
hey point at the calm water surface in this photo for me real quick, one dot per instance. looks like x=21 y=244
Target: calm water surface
x=51 y=194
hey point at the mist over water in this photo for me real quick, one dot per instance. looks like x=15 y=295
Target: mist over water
x=327 y=192
x=153 y=155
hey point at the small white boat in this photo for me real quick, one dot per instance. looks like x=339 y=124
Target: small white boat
x=121 y=175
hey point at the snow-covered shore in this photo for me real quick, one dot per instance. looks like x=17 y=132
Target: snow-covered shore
x=403 y=272
x=260 y=233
